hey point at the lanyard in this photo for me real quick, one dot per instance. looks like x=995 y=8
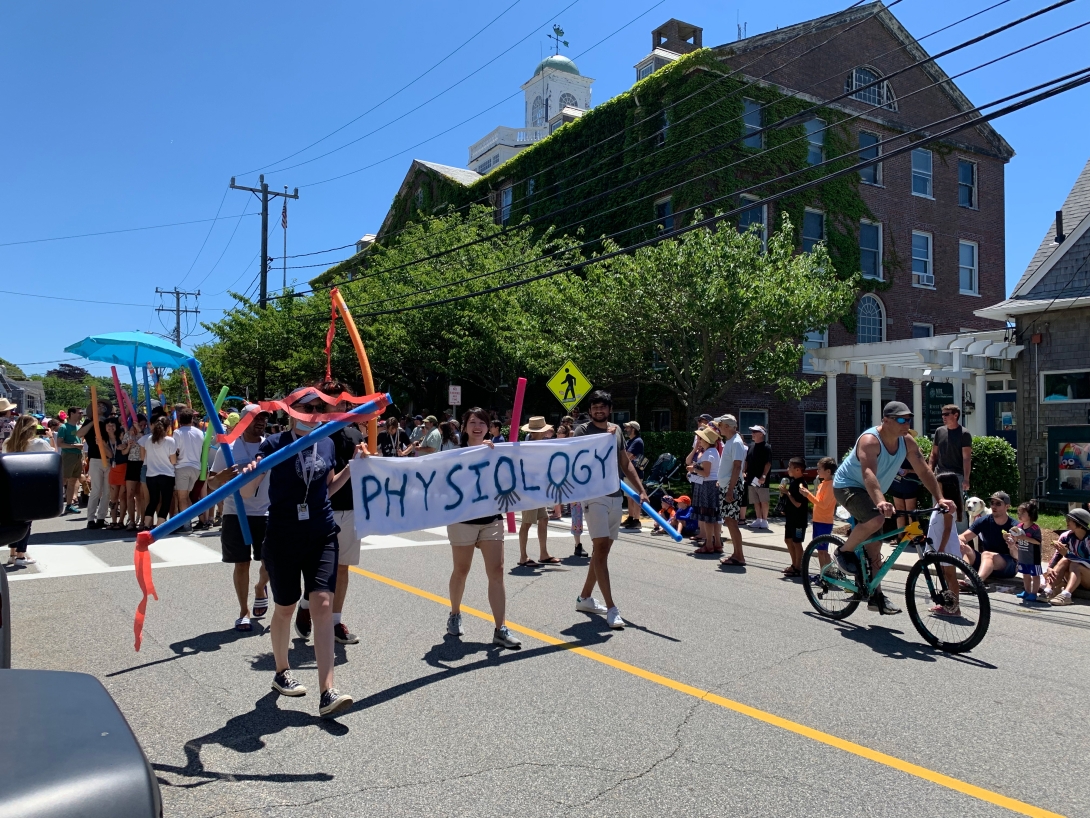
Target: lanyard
x=308 y=474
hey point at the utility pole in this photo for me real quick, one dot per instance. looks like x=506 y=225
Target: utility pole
x=178 y=310
x=263 y=193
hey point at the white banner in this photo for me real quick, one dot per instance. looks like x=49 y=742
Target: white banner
x=392 y=495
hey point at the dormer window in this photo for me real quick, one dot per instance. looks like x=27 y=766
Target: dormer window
x=880 y=93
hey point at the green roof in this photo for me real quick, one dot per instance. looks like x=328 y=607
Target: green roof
x=557 y=62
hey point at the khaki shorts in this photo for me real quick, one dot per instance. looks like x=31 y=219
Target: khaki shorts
x=71 y=463
x=758 y=494
x=532 y=515
x=473 y=533
x=348 y=543
x=858 y=503
x=185 y=478
x=603 y=516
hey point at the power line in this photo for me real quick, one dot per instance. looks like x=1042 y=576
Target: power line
x=316 y=252
x=111 y=232
x=211 y=227
x=178 y=310
x=78 y=300
x=229 y=240
x=391 y=96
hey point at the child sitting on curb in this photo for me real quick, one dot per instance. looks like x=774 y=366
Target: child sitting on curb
x=684 y=519
x=666 y=511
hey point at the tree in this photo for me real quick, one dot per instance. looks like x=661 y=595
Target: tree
x=68 y=372
x=704 y=313
x=13 y=372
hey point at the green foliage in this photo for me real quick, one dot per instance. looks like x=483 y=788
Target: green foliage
x=14 y=372
x=679 y=444
x=61 y=394
x=995 y=468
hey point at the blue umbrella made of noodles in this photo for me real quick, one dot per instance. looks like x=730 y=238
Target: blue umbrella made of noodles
x=130 y=349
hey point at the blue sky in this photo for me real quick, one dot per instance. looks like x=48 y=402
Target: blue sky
x=129 y=114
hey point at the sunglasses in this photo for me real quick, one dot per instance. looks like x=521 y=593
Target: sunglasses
x=903 y=420
x=996 y=503
x=949 y=414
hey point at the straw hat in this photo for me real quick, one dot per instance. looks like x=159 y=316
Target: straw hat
x=6 y=405
x=537 y=424
x=708 y=435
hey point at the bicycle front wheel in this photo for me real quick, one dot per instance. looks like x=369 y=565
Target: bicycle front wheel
x=828 y=600
x=950 y=618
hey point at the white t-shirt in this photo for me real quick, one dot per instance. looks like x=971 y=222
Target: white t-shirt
x=245 y=454
x=952 y=545
x=734 y=450
x=157 y=456
x=190 y=442
x=35 y=444
x=711 y=456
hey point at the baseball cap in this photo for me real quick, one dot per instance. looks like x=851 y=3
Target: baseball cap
x=730 y=420
x=633 y=424
x=1002 y=497
x=249 y=409
x=418 y=417
x=896 y=409
x=685 y=498
x=1081 y=516
x=706 y=417
x=432 y=420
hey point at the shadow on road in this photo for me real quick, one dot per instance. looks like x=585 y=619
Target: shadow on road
x=244 y=734
x=301 y=655
x=204 y=643
x=888 y=642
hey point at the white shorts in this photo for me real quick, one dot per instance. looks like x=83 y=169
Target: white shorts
x=185 y=478
x=473 y=533
x=348 y=544
x=603 y=516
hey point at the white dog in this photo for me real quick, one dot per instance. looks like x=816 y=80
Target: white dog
x=975 y=508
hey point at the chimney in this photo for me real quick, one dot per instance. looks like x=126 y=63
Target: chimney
x=1059 y=228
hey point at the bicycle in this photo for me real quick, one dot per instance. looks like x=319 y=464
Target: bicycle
x=952 y=619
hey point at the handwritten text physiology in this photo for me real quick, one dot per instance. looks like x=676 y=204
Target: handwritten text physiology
x=393 y=495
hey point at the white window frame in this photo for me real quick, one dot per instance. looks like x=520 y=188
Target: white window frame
x=975 y=185
x=918 y=279
x=560 y=102
x=929 y=175
x=813 y=340
x=975 y=268
x=665 y=200
x=929 y=327
x=881 y=318
x=1041 y=386
x=881 y=249
x=819 y=131
x=507 y=197
x=537 y=121
x=743 y=426
x=746 y=198
x=817 y=212
x=878 y=164
x=645 y=70
x=806 y=435
x=748 y=128
x=883 y=93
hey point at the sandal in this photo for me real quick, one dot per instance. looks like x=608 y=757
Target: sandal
x=792 y=572
x=261 y=606
x=732 y=562
x=549 y=561
x=529 y=564
x=243 y=624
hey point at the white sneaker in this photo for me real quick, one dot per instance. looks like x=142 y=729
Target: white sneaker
x=590 y=605
x=613 y=619
x=454 y=625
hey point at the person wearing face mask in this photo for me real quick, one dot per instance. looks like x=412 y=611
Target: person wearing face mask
x=301 y=541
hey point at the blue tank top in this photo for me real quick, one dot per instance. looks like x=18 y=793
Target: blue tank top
x=850 y=472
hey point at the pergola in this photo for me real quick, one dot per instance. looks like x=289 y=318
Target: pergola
x=965 y=359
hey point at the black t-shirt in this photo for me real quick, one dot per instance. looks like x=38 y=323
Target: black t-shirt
x=790 y=510
x=92 y=439
x=989 y=534
x=288 y=486
x=949 y=443
x=344 y=446
x=759 y=456
x=389 y=445
x=589 y=428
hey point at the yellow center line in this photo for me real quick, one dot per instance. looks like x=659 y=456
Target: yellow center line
x=876 y=756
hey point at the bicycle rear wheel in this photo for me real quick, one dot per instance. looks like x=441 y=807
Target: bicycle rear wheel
x=828 y=600
x=951 y=619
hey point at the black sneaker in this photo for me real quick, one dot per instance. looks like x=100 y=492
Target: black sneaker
x=287 y=685
x=333 y=702
x=579 y=552
x=343 y=635
x=302 y=623
x=96 y=524
x=881 y=603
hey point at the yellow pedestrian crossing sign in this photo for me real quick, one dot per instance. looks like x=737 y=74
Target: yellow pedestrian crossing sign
x=569 y=385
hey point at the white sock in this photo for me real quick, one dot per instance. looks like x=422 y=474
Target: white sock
x=336 y=619
x=1065 y=593
x=1046 y=590
x=304 y=604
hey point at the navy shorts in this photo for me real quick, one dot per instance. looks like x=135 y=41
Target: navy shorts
x=1009 y=569
x=289 y=554
x=820 y=530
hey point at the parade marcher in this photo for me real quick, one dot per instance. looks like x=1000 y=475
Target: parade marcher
x=603 y=514
x=71 y=449
x=98 y=505
x=117 y=447
x=190 y=441
x=301 y=541
x=393 y=442
x=255 y=499
x=160 y=456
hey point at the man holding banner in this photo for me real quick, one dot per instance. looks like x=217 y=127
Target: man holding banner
x=603 y=514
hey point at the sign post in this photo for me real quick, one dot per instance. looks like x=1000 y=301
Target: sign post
x=569 y=385
x=454 y=397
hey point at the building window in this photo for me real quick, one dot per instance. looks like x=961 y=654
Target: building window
x=922 y=273
x=754 y=216
x=1002 y=385
x=815 y=439
x=1072 y=385
x=814 y=339
x=419 y=198
x=660 y=420
x=531 y=186
x=664 y=214
x=505 y=205
x=620 y=417
x=645 y=70
x=751 y=417
x=966 y=183
x=568 y=101
x=921 y=173
x=813 y=229
x=870 y=323
x=879 y=93
x=923 y=330
x=751 y=119
x=537 y=113
x=815 y=138
x=872 y=174
x=870 y=250
x=967 y=267
x=664 y=122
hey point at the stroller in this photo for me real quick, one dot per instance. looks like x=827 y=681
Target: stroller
x=663 y=469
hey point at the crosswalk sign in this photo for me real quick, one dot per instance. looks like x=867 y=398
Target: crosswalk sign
x=569 y=385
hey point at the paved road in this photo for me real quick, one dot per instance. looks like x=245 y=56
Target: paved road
x=724 y=696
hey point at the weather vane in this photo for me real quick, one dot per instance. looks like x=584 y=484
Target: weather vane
x=556 y=36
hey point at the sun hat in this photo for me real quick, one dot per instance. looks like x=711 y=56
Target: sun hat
x=708 y=435
x=6 y=405
x=1081 y=517
x=760 y=429
x=536 y=424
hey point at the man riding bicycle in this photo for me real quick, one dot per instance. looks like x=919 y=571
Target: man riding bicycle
x=860 y=484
